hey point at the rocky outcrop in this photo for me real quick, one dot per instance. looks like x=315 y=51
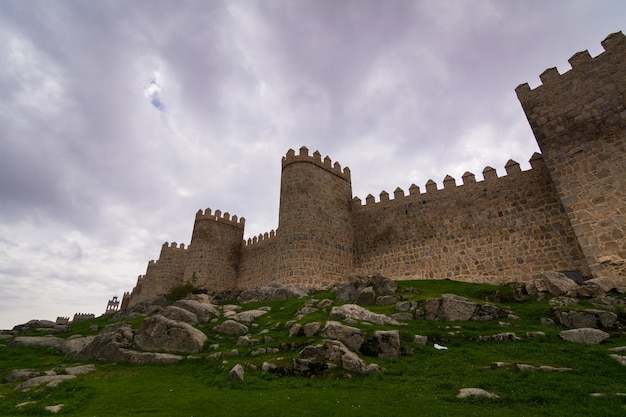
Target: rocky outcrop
x=204 y=312
x=314 y=358
x=453 y=307
x=358 y=313
x=40 y=326
x=384 y=344
x=162 y=334
x=236 y=373
x=554 y=283
x=231 y=327
x=595 y=319
x=584 y=336
x=276 y=292
x=352 y=337
x=374 y=286
x=49 y=341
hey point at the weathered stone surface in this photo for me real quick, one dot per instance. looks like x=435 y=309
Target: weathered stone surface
x=584 y=336
x=596 y=319
x=315 y=357
x=248 y=316
x=107 y=344
x=80 y=369
x=352 y=337
x=386 y=300
x=406 y=305
x=203 y=311
x=179 y=314
x=349 y=291
x=231 y=327
x=311 y=329
x=355 y=312
x=273 y=293
x=452 y=307
x=384 y=344
x=295 y=330
x=475 y=392
x=420 y=340
x=237 y=373
x=21 y=375
x=508 y=336
x=72 y=347
x=247 y=340
x=620 y=358
x=542 y=368
x=162 y=334
x=40 y=326
x=402 y=316
x=49 y=341
x=49 y=380
x=326 y=302
x=54 y=408
x=551 y=282
x=366 y=297
x=384 y=286
x=562 y=301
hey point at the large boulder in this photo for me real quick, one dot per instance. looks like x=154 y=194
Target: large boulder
x=352 y=337
x=203 y=311
x=366 y=297
x=453 y=307
x=555 y=283
x=107 y=344
x=595 y=319
x=248 y=316
x=355 y=312
x=584 y=336
x=162 y=334
x=40 y=326
x=384 y=344
x=179 y=314
x=72 y=347
x=231 y=327
x=350 y=291
x=314 y=358
x=275 y=292
x=48 y=341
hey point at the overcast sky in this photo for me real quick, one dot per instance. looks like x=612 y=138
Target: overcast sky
x=120 y=119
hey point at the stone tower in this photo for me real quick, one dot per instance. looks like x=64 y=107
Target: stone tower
x=213 y=254
x=315 y=221
x=579 y=121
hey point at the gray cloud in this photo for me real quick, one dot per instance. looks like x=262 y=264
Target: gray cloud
x=119 y=120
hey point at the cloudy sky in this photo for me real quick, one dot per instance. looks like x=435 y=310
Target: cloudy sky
x=120 y=119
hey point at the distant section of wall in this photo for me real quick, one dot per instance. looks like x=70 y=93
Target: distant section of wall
x=579 y=121
x=496 y=230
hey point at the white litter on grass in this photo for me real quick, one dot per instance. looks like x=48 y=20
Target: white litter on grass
x=439 y=347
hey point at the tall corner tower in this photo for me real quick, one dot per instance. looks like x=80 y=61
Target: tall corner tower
x=579 y=121
x=214 y=251
x=315 y=221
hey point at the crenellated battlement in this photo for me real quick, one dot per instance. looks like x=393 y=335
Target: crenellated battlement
x=512 y=169
x=221 y=218
x=316 y=159
x=581 y=62
x=261 y=238
x=565 y=213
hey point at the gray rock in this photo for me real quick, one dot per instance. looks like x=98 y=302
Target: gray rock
x=584 y=336
x=420 y=340
x=315 y=357
x=179 y=314
x=272 y=293
x=21 y=375
x=247 y=340
x=162 y=334
x=311 y=329
x=551 y=282
x=326 y=302
x=501 y=337
x=305 y=311
x=72 y=347
x=366 y=297
x=453 y=307
x=80 y=369
x=621 y=359
x=406 y=305
x=49 y=341
x=355 y=312
x=596 y=319
x=386 y=300
x=475 y=392
x=384 y=344
x=203 y=311
x=267 y=367
x=402 y=316
x=546 y=321
x=214 y=356
x=349 y=290
x=231 y=327
x=54 y=408
x=295 y=330
x=352 y=337
x=107 y=344
x=237 y=373
x=384 y=286
x=562 y=301
x=49 y=380
x=248 y=316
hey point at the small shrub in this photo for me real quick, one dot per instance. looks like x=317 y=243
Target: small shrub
x=180 y=291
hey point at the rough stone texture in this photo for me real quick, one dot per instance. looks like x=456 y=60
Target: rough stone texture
x=203 y=311
x=73 y=347
x=334 y=351
x=248 y=316
x=40 y=326
x=231 y=327
x=311 y=329
x=384 y=344
x=54 y=408
x=420 y=340
x=475 y=392
x=49 y=380
x=552 y=282
x=596 y=319
x=621 y=359
x=352 y=337
x=366 y=297
x=179 y=314
x=452 y=307
x=355 y=312
x=566 y=213
x=273 y=293
x=21 y=375
x=584 y=336
x=236 y=373
x=50 y=341
x=162 y=334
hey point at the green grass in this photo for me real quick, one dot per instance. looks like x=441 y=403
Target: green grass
x=424 y=383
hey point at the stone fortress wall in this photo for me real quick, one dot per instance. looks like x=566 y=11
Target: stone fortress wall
x=566 y=213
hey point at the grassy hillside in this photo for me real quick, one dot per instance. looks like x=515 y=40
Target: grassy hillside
x=424 y=382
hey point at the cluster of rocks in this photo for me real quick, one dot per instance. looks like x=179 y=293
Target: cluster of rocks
x=557 y=283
